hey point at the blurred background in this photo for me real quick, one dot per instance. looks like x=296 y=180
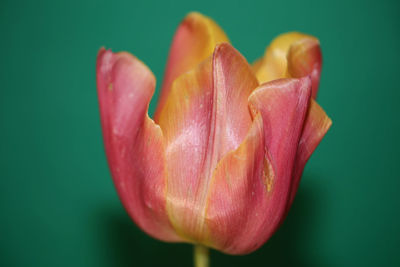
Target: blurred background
x=58 y=205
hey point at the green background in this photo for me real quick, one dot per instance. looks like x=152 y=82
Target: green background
x=58 y=206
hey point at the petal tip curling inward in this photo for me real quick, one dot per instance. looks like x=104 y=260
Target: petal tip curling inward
x=125 y=86
x=291 y=55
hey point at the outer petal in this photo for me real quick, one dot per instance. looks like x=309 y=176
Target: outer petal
x=282 y=105
x=206 y=116
x=315 y=127
x=134 y=144
x=251 y=186
x=194 y=41
x=291 y=55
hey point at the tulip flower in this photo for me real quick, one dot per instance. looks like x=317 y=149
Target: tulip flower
x=221 y=162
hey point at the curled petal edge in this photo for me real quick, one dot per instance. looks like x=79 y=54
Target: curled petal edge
x=291 y=55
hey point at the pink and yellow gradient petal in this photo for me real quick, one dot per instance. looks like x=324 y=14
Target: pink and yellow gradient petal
x=291 y=55
x=194 y=41
x=206 y=115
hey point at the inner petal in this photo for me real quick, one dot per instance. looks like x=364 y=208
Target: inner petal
x=291 y=55
x=201 y=124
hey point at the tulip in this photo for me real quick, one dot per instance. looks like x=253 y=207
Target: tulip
x=221 y=162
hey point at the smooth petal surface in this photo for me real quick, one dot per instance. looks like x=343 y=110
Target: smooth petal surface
x=194 y=41
x=206 y=115
x=316 y=125
x=293 y=55
x=133 y=142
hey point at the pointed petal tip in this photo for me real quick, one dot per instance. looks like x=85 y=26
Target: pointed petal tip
x=230 y=56
x=225 y=47
x=194 y=15
x=221 y=50
x=318 y=121
x=195 y=18
x=328 y=122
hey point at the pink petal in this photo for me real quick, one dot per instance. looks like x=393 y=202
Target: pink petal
x=205 y=116
x=316 y=125
x=251 y=186
x=133 y=143
x=283 y=104
x=239 y=194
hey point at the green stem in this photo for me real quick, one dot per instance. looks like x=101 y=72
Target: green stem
x=201 y=258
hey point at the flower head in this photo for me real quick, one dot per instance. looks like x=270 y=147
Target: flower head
x=222 y=160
